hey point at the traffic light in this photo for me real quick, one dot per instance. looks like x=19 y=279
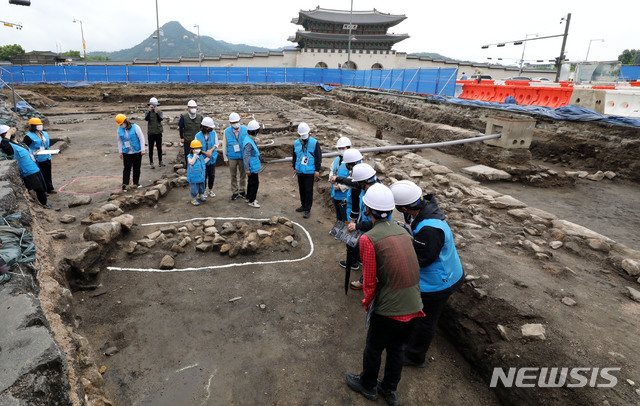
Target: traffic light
x=517 y=43
x=20 y=2
x=557 y=61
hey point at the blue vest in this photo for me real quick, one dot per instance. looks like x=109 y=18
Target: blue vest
x=207 y=145
x=310 y=167
x=231 y=141
x=196 y=172
x=340 y=171
x=254 y=158
x=131 y=137
x=26 y=160
x=447 y=269
x=36 y=143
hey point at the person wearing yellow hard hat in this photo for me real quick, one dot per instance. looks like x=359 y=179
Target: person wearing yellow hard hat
x=196 y=172
x=38 y=140
x=131 y=147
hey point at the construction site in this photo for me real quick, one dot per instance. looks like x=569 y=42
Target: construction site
x=140 y=298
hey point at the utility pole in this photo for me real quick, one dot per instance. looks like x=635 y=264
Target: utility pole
x=199 y=52
x=564 y=42
x=523 y=49
x=158 y=33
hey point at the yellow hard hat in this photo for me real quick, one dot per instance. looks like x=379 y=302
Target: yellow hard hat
x=195 y=144
x=35 y=121
x=120 y=119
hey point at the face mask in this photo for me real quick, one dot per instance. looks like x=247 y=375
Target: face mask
x=192 y=111
x=196 y=151
x=39 y=127
x=341 y=151
x=304 y=137
x=235 y=126
x=123 y=126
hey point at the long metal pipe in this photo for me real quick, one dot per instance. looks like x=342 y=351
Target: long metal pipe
x=405 y=147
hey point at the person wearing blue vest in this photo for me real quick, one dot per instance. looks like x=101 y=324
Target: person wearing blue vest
x=441 y=272
x=196 y=168
x=29 y=170
x=232 y=152
x=251 y=160
x=209 y=140
x=340 y=193
x=307 y=160
x=131 y=147
x=38 y=140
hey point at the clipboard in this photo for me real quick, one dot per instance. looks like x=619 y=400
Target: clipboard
x=47 y=152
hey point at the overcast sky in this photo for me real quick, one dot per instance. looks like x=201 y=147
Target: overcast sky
x=456 y=29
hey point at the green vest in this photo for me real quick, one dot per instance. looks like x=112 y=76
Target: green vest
x=398 y=272
x=154 y=125
x=191 y=127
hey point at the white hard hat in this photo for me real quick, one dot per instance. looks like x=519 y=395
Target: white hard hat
x=351 y=156
x=362 y=172
x=343 y=142
x=253 y=125
x=208 y=122
x=405 y=192
x=303 y=129
x=379 y=197
x=4 y=128
x=234 y=117
x=192 y=103
x=154 y=101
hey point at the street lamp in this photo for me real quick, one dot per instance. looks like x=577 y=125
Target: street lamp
x=586 y=58
x=349 y=43
x=158 y=33
x=523 y=48
x=199 y=53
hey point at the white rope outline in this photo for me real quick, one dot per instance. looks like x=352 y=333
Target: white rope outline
x=114 y=268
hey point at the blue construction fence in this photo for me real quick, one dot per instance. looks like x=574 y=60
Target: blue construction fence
x=422 y=81
x=630 y=72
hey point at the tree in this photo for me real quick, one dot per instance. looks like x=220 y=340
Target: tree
x=8 y=51
x=72 y=54
x=98 y=58
x=628 y=56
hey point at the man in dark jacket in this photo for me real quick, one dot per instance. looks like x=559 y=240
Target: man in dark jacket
x=154 y=130
x=441 y=271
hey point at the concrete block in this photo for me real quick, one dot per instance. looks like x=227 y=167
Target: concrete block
x=593 y=99
x=516 y=133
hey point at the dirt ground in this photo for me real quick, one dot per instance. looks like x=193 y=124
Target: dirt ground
x=181 y=341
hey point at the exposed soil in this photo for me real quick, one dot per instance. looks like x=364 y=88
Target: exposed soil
x=181 y=341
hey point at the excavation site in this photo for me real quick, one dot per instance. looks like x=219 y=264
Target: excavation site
x=139 y=297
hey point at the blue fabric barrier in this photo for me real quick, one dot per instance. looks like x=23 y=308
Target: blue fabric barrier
x=117 y=74
x=630 y=72
x=198 y=74
x=178 y=74
x=97 y=74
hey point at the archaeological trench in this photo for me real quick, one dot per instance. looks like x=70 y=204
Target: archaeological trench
x=139 y=298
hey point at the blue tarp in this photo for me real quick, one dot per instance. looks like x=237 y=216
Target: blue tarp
x=569 y=113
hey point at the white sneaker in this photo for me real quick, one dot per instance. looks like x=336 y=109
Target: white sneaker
x=254 y=204
x=211 y=194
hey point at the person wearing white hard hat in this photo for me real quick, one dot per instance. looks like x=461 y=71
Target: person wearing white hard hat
x=153 y=116
x=340 y=193
x=251 y=161
x=232 y=142
x=209 y=140
x=390 y=275
x=29 y=170
x=441 y=272
x=306 y=160
x=189 y=125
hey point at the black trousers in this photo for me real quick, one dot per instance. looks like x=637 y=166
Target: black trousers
x=210 y=175
x=384 y=334
x=252 y=186
x=305 y=186
x=45 y=169
x=187 y=151
x=131 y=161
x=425 y=327
x=35 y=182
x=155 y=139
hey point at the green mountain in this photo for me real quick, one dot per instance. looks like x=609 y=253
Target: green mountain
x=175 y=42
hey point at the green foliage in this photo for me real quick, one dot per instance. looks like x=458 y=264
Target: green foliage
x=8 y=51
x=628 y=56
x=98 y=58
x=72 y=54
